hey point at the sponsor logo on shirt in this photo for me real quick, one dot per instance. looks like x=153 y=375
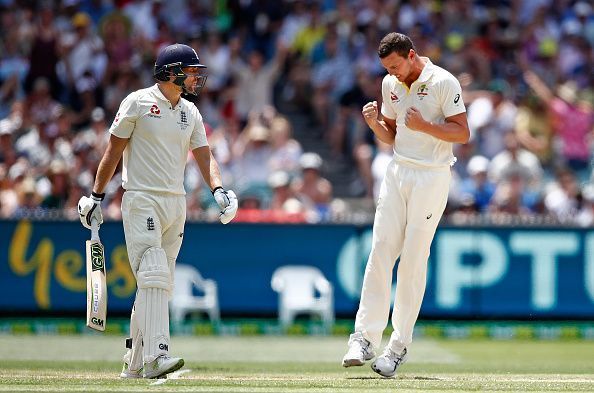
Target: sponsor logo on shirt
x=394 y=97
x=456 y=98
x=155 y=111
x=422 y=91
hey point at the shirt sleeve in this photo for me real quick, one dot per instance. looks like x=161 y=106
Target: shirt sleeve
x=198 y=137
x=387 y=110
x=125 y=120
x=451 y=97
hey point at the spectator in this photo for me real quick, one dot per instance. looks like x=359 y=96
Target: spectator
x=515 y=160
x=312 y=187
x=572 y=120
x=217 y=58
x=8 y=154
x=44 y=52
x=490 y=117
x=332 y=76
x=585 y=217
x=286 y=151
x=511 y=197
x=563 y=197
x=255 y=80
x=251 y=154
x=9 y=199
x=58 y=177
x=96 y=136
x=533 y=130
x=285 y=205
x=477 y=188
x=81 y=52
x=13 y=70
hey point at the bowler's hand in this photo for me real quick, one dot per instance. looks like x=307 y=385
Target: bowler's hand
x=89 y=208
x=370 y=112
x=227 y=201
x=413 y=119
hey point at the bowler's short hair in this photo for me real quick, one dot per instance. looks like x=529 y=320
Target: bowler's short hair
x=395 y=42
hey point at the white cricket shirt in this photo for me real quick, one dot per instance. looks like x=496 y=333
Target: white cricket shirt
x=159 y=140
x=437 y=95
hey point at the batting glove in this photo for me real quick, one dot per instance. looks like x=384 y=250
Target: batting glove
x=89 y=208
x=227 y=201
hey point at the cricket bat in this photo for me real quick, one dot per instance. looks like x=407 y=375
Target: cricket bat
x=96 y=281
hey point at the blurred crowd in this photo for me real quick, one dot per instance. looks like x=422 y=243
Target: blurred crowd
x=526 y=68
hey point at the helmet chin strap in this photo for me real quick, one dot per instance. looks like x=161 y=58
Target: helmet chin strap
x=179 y=81
x=186 y=91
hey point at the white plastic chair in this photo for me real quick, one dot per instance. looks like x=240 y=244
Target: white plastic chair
x=298 y=287
x=184 y=301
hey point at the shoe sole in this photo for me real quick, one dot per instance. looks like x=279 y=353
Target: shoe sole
x=130 y=376
x=171 y=369
x=355 y=362
x=352 y=362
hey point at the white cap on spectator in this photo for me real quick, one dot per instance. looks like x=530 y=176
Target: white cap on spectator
x=582 y=8
x=18 y=169
x=310 y=161
x=98 y=114
x=259 y=133
x=279 y=179
x=6 y=127
x=588 y=192
x=477 y=164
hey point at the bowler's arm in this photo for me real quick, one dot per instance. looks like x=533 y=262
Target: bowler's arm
x=209 y=168
x=109 y=162
x=384 y=130
x=455 y=129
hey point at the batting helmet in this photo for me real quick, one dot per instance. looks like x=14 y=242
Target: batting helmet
x=173 y=59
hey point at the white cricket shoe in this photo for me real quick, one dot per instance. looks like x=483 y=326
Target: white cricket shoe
x=162 y=366
x=127 y=373
x=359 y=352
x=386 y=364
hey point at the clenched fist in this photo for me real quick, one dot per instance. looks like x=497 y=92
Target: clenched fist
x=413 y=119
x=370 y=112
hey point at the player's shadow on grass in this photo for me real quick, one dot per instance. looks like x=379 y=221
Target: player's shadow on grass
x=398 y=378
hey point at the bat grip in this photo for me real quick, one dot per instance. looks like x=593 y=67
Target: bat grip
x=94 y=229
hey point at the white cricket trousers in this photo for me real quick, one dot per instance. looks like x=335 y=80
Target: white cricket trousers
x=151 y=220
x=411 y=202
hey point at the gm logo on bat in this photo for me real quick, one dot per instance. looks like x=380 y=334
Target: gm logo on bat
x=97 y=321
x=98 y=262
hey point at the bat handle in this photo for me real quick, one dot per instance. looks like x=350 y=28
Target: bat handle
x=94 y=229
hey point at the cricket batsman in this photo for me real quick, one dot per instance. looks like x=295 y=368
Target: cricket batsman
x=153 y=130
x=422 y=116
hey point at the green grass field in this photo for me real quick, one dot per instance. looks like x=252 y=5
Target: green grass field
x=91 y=363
